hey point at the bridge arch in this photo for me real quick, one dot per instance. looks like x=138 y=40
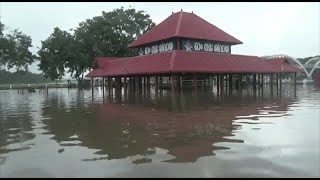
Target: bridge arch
x=314 y=67
x=289 y=58
x=312 y=59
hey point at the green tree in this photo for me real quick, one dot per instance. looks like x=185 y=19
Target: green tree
x=14 y=49
x=111 y=33
x=105 y=35
x=61 y=53
x=52 y=54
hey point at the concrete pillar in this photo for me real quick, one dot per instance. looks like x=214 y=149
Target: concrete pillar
x=222 y=84
x=140 y=84
x=181 y=82
x=203 y=83
x=254 y=81
x=156 y=84
x=280 y=83
x=131 y=84
x=103 y=87
x=210 y=82
x=118 y=82
x=160 y=81
x=148 y=85
x=194 y=82
x=295 y=84
x=271 y=83
x=261 y=84
x=148 y=82
x=277 y=82
x=225 y=82
x=144 y=82
x=108 y=82
x=240 y=81
x=178 y=82
x=172 y=83
x=230 y=83
x=218 y=83
x=92 y=86
x=136 y=84
x=125 y=86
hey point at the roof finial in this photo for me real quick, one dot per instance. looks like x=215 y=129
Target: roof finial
x=192 y=12
x=172 y=12
x=181 y=10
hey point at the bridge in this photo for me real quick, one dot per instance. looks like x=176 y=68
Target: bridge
x=308 y=67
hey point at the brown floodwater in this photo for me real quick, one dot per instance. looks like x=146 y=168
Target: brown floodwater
x=69 y=133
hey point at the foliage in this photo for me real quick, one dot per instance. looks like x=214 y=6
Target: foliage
x=111 y=33
x=58 y=52
x=14 y=49
x=105 y=35
x=20 y=77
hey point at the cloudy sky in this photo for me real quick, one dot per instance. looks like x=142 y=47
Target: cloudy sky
x=265 y=28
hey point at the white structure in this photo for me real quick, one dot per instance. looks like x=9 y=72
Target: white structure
x=308 y=67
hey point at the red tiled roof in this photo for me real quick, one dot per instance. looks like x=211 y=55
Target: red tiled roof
x=102 y=61
x=155 y=63
x=187 y=25
x=227 y=63
x=98 y=72
x=188 y=62
x=283 y=65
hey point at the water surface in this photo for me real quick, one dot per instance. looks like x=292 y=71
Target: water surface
x=69 y=133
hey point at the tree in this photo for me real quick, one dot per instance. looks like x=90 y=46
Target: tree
x=14 y=49
x=52 y=54
x=111 y=33
x=105 y=35
x=60 y=53
x=1 y=29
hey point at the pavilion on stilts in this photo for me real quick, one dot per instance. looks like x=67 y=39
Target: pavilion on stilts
x=184 y=51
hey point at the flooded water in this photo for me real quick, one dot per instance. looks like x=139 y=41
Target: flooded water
x=67 y=133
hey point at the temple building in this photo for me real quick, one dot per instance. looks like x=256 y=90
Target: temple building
x=185 y=50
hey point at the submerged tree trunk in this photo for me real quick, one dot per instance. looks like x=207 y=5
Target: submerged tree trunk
x=80 y=81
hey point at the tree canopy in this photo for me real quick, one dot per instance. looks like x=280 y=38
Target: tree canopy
x=106 y=35
x=14 y=49
x=61 y=51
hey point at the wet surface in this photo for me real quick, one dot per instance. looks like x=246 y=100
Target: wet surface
x=67 y=133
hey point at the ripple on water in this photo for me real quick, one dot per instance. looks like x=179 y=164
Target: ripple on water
x=174 y=136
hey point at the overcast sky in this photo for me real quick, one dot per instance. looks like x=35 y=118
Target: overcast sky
x=265 y=28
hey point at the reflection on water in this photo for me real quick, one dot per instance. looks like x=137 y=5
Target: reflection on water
x=69 y=133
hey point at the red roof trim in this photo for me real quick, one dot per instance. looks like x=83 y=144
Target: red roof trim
x=179 y=24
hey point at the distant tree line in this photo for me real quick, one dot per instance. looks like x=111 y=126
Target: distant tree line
x=21 y=77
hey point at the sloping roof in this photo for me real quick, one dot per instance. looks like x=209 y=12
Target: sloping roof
x=284 y=65
x=102 y=61
x=188 y=62
x=187 y=25
x=155 y=63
